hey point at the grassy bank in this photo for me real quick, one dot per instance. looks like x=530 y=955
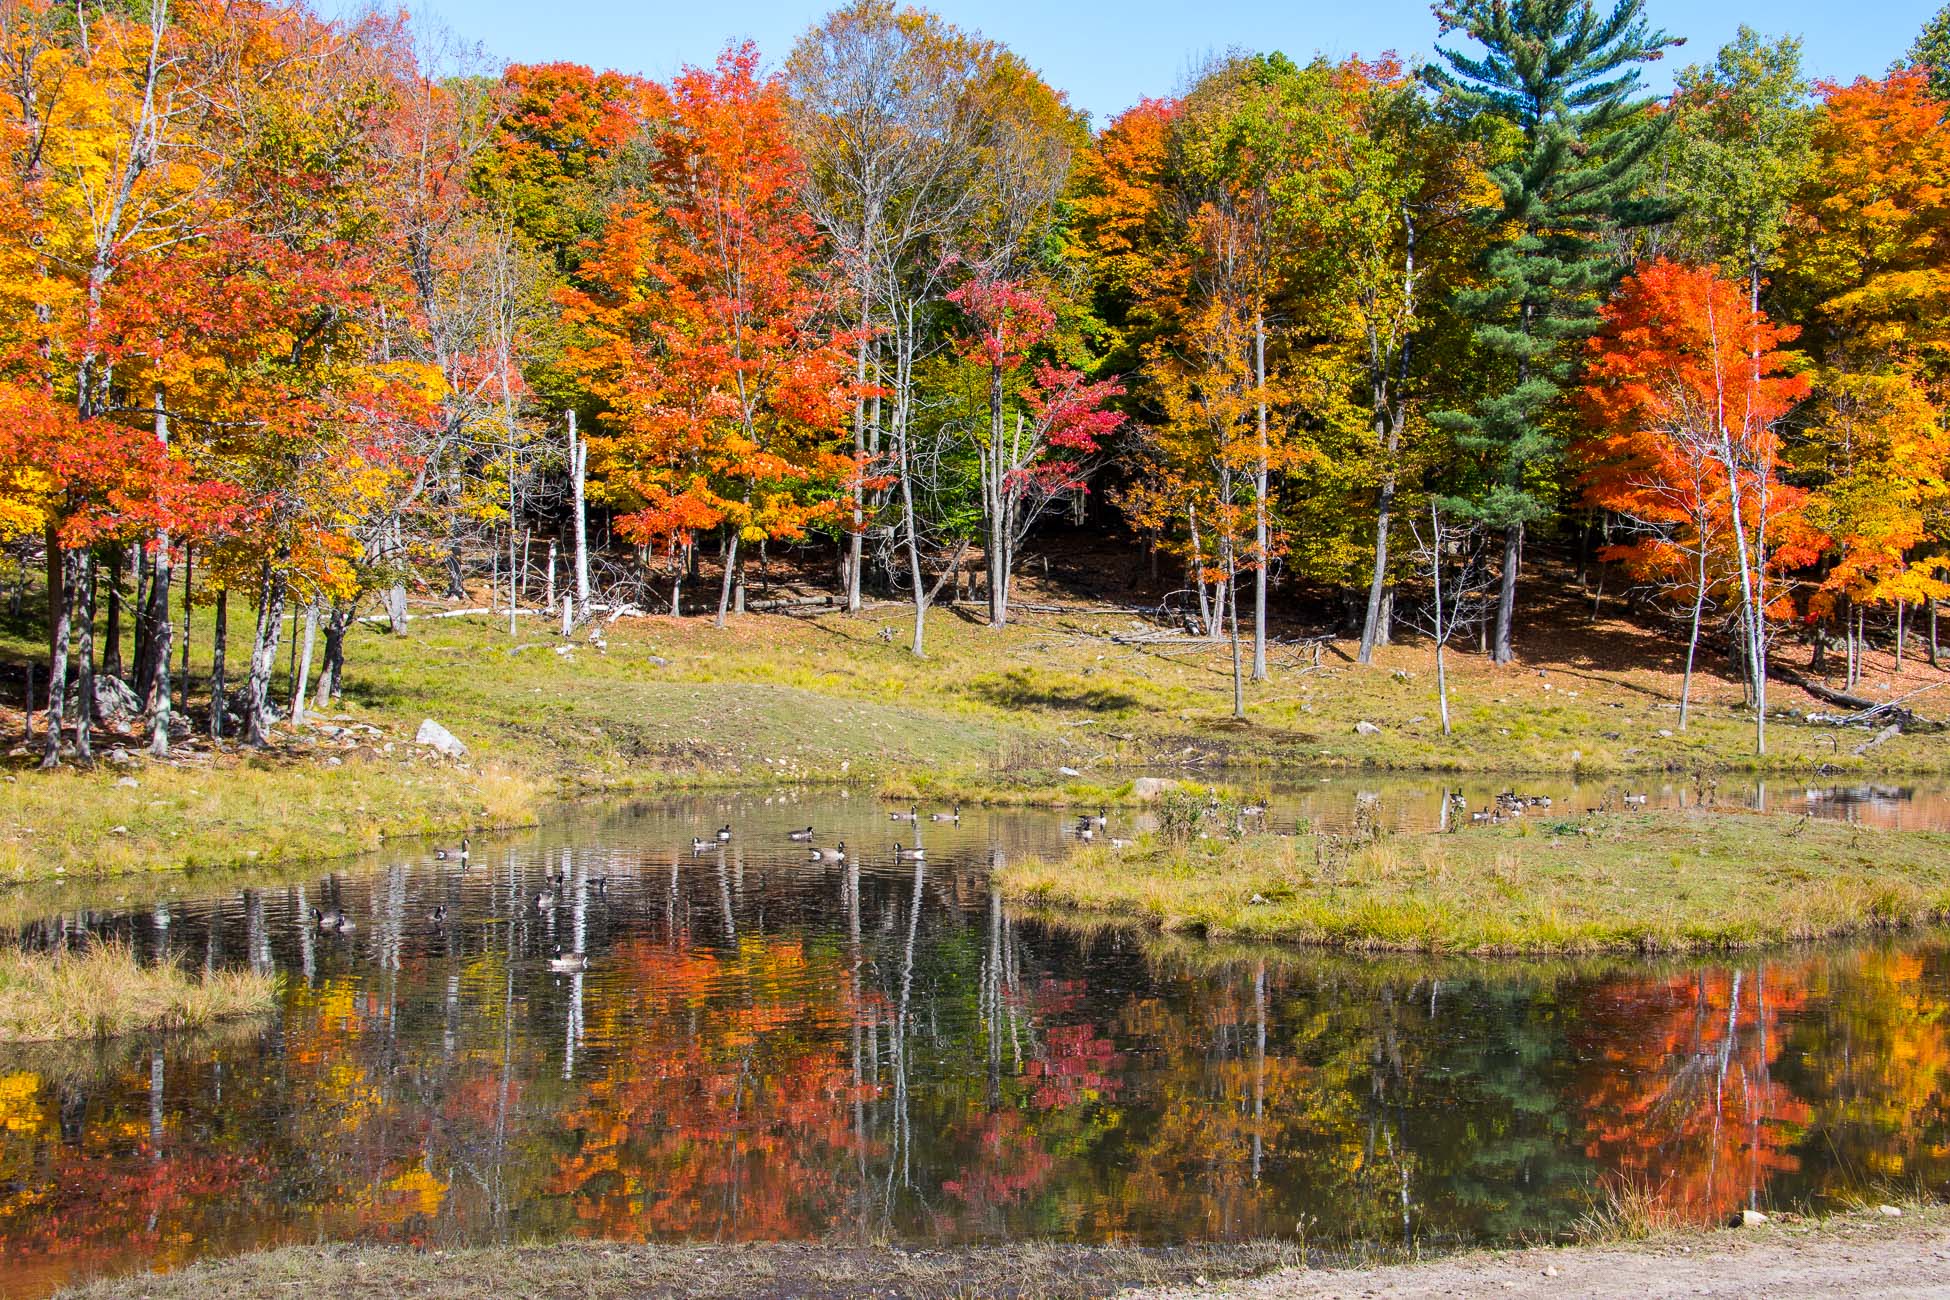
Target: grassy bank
x=1651 y=882
x=1059 y=708
x=703 y=1271
x=103 y=991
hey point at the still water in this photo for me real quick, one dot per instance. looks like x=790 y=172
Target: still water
x=767 y=1047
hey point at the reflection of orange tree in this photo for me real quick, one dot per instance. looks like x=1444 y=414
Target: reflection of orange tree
x=1678 y=1089
x=728 y=1109
x=1875 y=1053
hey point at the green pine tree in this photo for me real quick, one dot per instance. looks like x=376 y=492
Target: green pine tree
x=1931 y=52
x=1560 y=77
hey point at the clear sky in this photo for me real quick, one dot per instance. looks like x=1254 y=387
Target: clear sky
x=1107 y=54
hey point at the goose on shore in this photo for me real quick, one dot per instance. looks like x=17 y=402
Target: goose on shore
x=953 y=818
x=800 y=835
x=572 y=961
x=1636 y=798
x=914 y=854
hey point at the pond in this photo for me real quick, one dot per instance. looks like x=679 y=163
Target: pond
x=768 y=1047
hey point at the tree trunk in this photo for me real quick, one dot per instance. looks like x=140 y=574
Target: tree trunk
x=331 y=672
x=183 y=673
x=1261 y=541
x=264 y=653
x=84 y=714
x=1935 y=658
x=1238 y=675
x=60 y=592
x=218 y=641
x=726 y=582
x=1205 y=621
x=1692 y=642
x=578 y=513
x=160 y=631
x=1902 y=607
x=140 y=678
x=1374 y=630
x=302 y=678
x=112 y=633
x=1506 y=596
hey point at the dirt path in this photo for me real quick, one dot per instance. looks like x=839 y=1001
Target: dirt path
x=1862 y=1257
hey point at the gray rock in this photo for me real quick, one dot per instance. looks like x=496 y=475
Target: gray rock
x=1147 y=788
x=1366 y=728
x=439 y=739
x=116 y=705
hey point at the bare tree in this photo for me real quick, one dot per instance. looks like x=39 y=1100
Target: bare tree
x=1460 y=580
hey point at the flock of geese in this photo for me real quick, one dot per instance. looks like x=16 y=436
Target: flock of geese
x=1510 y=805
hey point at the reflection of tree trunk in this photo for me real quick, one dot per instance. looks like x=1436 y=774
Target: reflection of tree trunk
x=1259 y=1067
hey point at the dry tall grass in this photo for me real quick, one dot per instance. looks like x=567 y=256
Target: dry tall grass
x=104 y=990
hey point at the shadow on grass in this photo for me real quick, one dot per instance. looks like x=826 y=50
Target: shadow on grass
x=1021 y=689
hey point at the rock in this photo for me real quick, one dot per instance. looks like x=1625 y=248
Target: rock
x=1068 y=771
x=1366 y=728
x=440 y=740
x=120 y=757
x=1751 y=1219
x=1665 y=733
x=116 y=705
x=1550 y=1270
x=1147 y=788
x=1889 y=1212
x=128 y=783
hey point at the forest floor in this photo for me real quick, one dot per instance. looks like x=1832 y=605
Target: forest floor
x=1062 y=706
x=1561 y=881
x=1864 y=1254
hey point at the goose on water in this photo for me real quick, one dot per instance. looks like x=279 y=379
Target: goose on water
x=545 y=900
x=438 y=916
x=800 y=835
x=953 y=818
x=702 y=846
x=1101 y=820
x=835 y=854
x=461 y=852
x=332 y=920
x=914 y=854
x=724 y=832
x=911 y=815
x=572 y=961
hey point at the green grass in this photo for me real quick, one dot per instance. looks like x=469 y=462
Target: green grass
x=103 y=991
x=988 y=717
x=1655 y=882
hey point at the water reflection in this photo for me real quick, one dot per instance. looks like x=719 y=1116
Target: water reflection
x=764 y=1046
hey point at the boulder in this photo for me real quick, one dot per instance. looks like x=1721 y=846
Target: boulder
x=116 y=705
x=1366 y=728
x=440 y=740
x=1147 y=788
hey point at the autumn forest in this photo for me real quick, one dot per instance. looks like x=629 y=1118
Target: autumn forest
x=298 y=315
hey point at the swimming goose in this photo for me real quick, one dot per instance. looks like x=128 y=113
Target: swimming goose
x=800 y=835
x=438 y=916
x=1102 y=819
x=911 y=815
x=953 y=818
x=702 y=846
x=561 y=961
x=914 y=854
x=332 y=920
x=836 y=854
x=545 y=900
x=724 y=832
x=461 y=852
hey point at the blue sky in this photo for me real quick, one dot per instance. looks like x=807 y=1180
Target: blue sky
x=1106 y=54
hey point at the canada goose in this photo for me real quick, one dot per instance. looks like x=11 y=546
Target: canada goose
x=599 y=883
x=1116 y=843
x=834 y=854
x=438 y=916
x=1635 y=798
x=702 y=846
x=800 y=835
x=460 y=853
x=1250 y=810
x=567 y=961
x=914 y=854
x=333 y=920
x=911 y=815
x=545 y=900
x=953 y=818
x=1085 y=831
x=724 y=832
x=1101 y=820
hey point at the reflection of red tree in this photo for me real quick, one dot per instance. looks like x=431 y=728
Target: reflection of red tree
x=1678 y=1094
x=729 y=1111
x=1011 y=1163
x=1075 y=1068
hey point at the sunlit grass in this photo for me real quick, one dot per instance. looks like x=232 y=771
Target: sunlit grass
x=103 y=991
x=1654 y=882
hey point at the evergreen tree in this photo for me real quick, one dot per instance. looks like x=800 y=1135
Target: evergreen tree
x=1931 y=52
x=1560 y=77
